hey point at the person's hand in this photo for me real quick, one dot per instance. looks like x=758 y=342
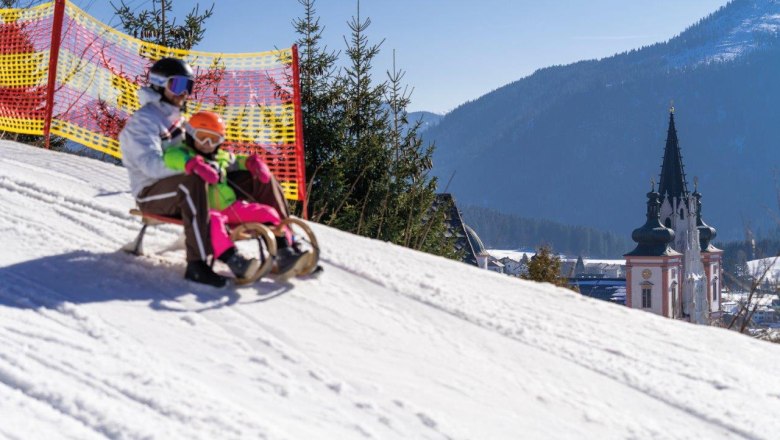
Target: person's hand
x=203 y=170
x=258 y=168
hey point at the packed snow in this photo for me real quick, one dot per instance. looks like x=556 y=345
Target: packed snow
x=387 y=343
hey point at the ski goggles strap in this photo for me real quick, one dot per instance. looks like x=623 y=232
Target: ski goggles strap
x=179 y=84
x=208 y=137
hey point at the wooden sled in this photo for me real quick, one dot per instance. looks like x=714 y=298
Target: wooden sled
x=264 y=235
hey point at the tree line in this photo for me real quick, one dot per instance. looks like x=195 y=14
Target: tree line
x=508 y=231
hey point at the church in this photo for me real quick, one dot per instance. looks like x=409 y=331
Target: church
x=674 y=270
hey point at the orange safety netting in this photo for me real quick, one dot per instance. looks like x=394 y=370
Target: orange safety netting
x=99 y=71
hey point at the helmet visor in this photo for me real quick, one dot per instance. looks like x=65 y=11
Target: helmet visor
x=180 y=84
x=209 y=138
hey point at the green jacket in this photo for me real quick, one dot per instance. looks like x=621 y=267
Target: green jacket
x=221 y=195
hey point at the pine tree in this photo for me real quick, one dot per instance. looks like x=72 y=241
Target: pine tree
x=154 y=27
x=408 y=206
x=364 y=159
x=367 y=166
x=545 y=267
x=322 y=92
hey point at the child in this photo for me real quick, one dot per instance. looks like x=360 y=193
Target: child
x=201 y=154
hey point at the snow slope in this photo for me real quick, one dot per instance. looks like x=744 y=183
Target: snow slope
x=388 y=343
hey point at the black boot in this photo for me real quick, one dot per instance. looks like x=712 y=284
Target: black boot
x=240 y=266
x=289 y=262
x=200 y=272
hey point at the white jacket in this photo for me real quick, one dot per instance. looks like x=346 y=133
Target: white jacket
x=150 y=130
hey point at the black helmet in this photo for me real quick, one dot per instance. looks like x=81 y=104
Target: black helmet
x=170 y=67
x=165 y=68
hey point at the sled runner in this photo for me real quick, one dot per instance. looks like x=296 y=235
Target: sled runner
x=265 y=236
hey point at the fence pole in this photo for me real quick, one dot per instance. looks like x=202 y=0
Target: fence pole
x=299 y=131
x=54 y=52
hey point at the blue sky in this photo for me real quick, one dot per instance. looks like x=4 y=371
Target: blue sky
x=452 y=51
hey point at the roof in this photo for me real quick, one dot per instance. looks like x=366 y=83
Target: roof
x=476 y=242
x=456 y=227
x=652 y=238
x=672 y=183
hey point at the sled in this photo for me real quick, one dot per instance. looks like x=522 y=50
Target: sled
x=264 y=235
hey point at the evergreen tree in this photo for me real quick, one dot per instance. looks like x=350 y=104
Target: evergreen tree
x=408 y=213
x=365 y=156
x=545 y=267
x=367 y=166
x=322 y=92
x=154 y=27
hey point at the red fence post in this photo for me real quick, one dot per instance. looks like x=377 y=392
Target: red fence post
x=299 y=131
x=54 y=52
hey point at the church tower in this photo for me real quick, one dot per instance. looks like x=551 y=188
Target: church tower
x=696 y=294
x=653 y=268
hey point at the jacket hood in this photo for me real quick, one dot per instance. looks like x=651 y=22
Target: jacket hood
x=147 y=95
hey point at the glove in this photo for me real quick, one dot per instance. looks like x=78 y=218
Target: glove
x=258 y=168
x=203 y=170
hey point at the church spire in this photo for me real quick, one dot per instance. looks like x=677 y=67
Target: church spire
x=672 y=183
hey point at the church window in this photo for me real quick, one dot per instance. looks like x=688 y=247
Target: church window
x=675 y=301
x=681 y=214
x=646 y=297
x=668 y=222
x=715 y=289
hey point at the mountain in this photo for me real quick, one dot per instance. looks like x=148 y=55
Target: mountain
x=387 y=343
x=428 y=119
x=579 y=143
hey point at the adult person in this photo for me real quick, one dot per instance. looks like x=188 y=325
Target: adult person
x=158 y=189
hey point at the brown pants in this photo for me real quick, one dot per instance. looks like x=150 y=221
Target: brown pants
x=183 y=197
x=252 y=190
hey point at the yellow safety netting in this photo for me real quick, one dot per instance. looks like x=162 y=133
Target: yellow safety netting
x=100 y=70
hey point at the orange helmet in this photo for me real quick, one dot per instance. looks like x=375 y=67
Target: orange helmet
x=206 y=120
x=208 y=130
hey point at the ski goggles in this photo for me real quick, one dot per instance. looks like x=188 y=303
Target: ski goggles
x=208 y=137
x=179 y=84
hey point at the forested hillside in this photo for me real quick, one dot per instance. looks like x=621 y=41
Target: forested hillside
x=506 y=231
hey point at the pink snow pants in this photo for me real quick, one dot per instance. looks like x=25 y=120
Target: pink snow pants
x=235 y=214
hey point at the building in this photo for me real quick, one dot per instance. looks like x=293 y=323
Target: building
x=582 y=268
x=674 y=271
x=481 y=254
x=465 y=239
x=514 y=267
x=456 y=228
